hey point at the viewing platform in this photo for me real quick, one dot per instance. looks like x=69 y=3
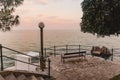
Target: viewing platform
x=80 y=64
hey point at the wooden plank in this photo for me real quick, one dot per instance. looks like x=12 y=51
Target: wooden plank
x=64 y=57
x=75 y=53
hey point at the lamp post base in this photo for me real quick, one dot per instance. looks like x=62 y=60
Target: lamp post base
x=42 y=63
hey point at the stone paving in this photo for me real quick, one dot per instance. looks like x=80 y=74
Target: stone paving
x=92 y=68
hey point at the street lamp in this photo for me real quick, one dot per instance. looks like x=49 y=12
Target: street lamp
x=42 y=60
x=41 y=26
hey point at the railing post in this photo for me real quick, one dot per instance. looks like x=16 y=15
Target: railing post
x=45 y=52
x=112 y=55
x=54 y=50
x=49 y=67
x=1 y=55
x=66 y=48
x=79 y=48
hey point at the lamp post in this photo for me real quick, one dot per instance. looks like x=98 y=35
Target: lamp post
x=42 y=60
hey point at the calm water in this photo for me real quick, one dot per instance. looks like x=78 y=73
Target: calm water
x=29 y=40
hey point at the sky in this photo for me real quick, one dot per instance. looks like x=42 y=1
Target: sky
x=56 y=14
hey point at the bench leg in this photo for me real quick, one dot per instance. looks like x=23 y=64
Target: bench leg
x=84 y=57
x=63 y=60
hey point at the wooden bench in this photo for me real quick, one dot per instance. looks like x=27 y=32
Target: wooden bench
x=73 y=55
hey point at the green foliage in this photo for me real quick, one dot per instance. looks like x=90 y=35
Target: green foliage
x=101 y=17
x=7 y=18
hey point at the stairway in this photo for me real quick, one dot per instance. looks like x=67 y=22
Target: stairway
x=22 y=75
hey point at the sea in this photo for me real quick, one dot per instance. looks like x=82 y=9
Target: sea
x=29 y=40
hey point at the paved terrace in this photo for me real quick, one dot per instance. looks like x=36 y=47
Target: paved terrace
x=93 y=68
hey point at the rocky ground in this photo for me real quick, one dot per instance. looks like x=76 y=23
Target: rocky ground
x=92 y=68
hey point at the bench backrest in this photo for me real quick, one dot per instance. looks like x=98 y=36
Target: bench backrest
x=81 y=52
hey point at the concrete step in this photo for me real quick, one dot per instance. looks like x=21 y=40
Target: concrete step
x=22 y=77
x=39 y=78
x=32 y=77
x=1 y=78
x=10 y=77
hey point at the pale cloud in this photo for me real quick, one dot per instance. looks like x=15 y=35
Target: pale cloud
x=50 y=21
x=52 y=17
x=42 y=2
x=56 y=20
x=51 y=12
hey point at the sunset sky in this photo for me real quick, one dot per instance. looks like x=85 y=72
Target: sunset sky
x=56 y=14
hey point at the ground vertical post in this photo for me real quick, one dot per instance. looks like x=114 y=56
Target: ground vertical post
x=66 y=48
x=79 y=48
x=54 y=50
x=49 y=67
x=45 y=52
x=1 y=55
x=112 y=55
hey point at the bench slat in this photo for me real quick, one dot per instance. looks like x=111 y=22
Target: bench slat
x=72 y=56
x=75 y=53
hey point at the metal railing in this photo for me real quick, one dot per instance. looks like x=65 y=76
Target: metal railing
x=57 y=50
x=61 y=49
x=3 y=56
